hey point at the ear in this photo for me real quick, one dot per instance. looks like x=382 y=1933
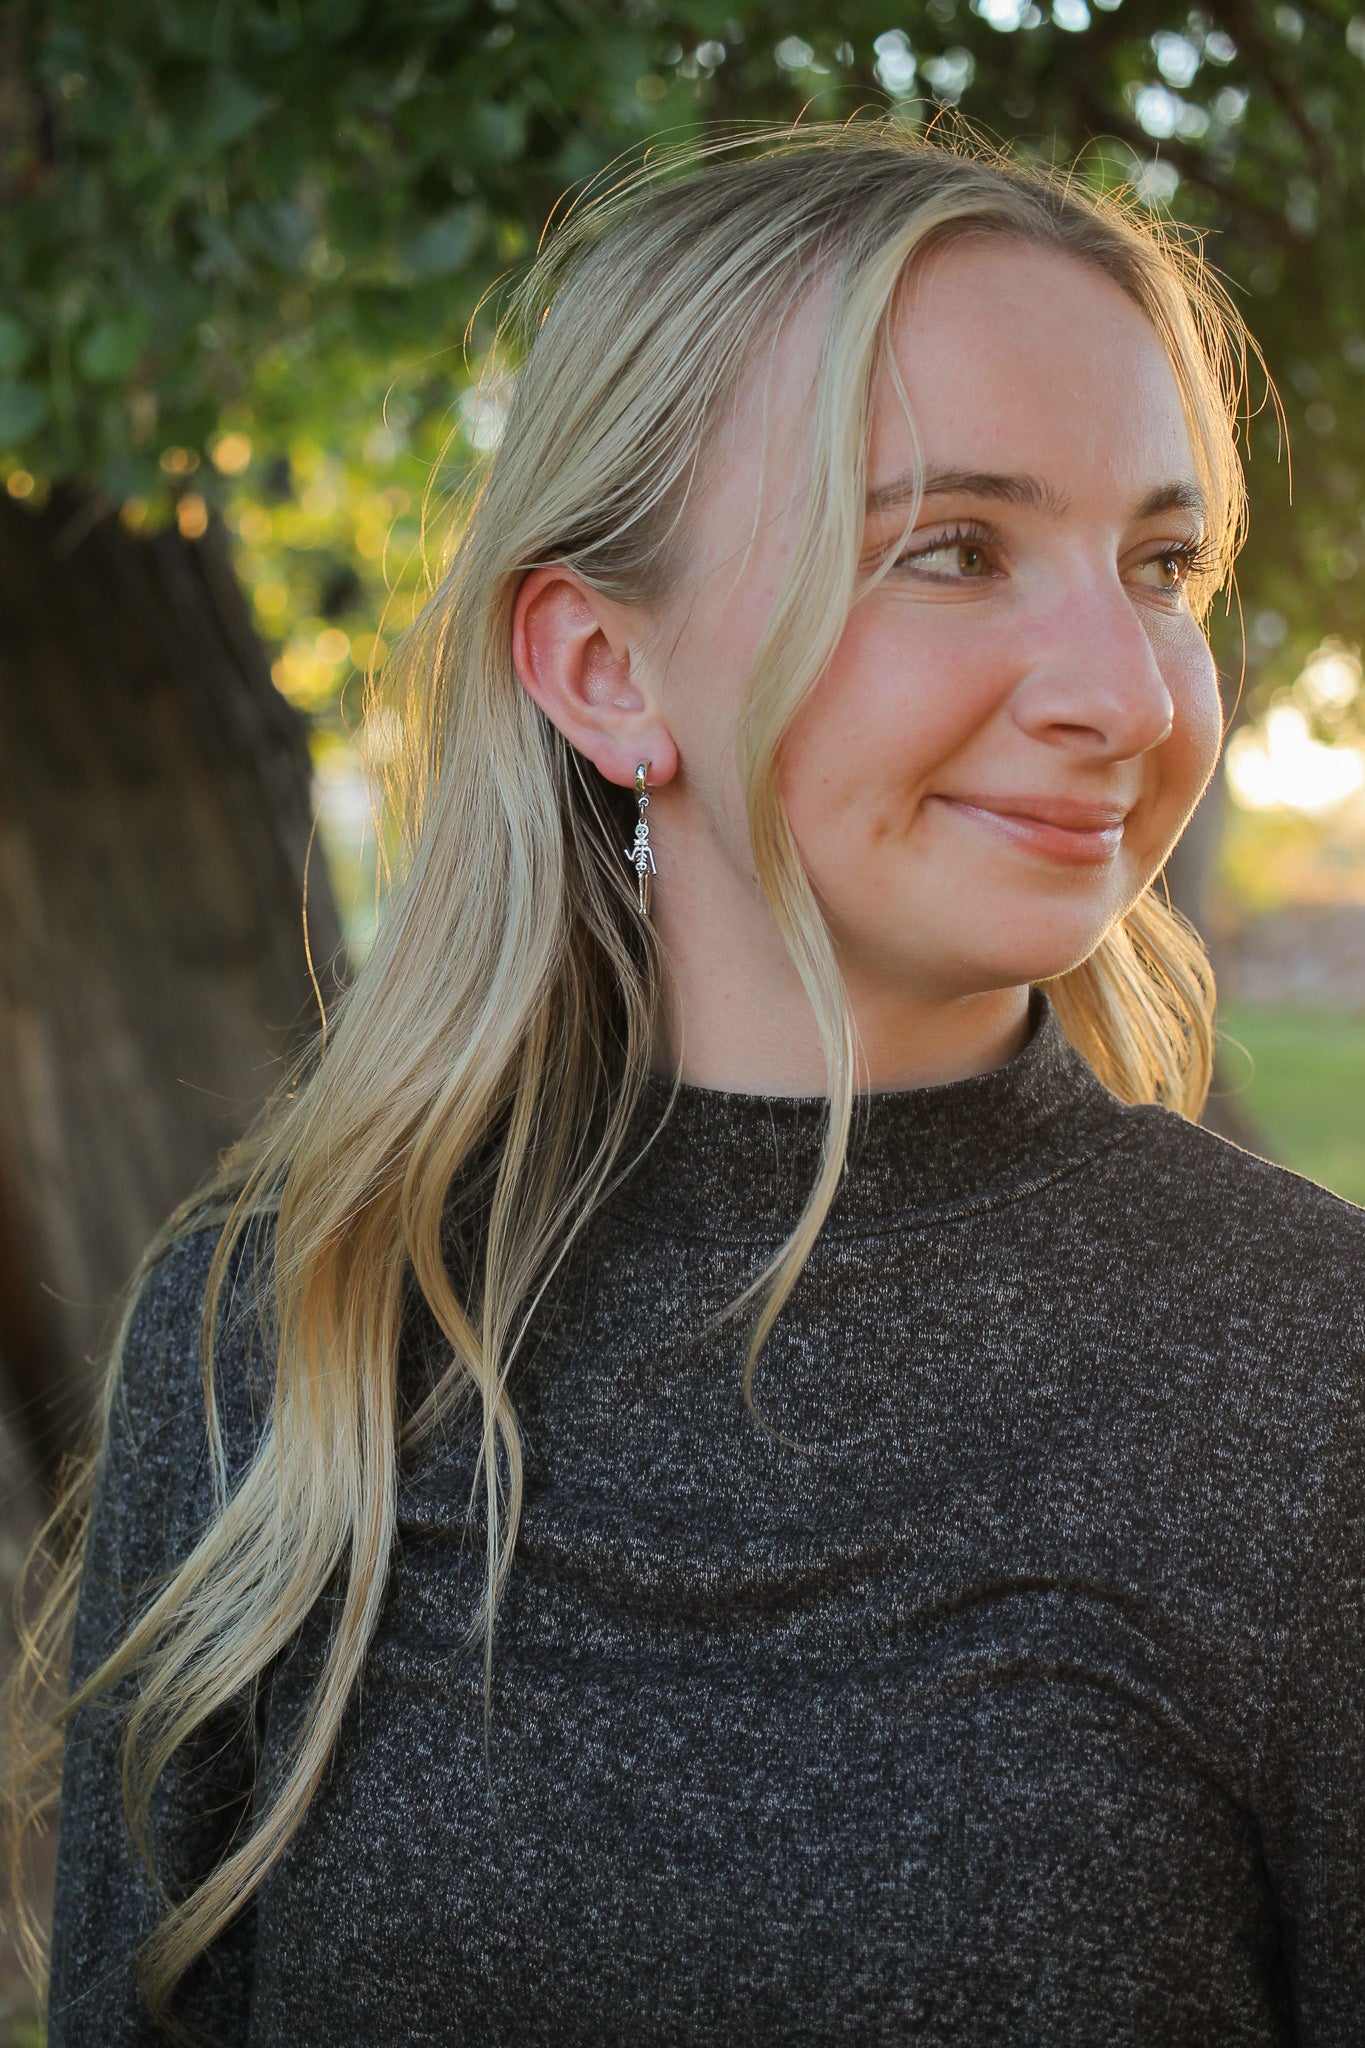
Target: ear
x=576 y=652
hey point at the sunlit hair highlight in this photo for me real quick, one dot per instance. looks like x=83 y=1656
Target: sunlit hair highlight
x=484 y=1068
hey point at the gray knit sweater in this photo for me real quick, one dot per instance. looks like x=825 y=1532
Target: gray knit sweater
x=1023 y=1704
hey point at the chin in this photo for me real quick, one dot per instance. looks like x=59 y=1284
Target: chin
x=1015 y=965
x=1009 y=950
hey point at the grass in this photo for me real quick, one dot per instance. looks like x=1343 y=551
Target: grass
x=1301 y=1079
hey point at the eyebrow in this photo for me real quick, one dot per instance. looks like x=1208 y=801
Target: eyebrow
x=1030 y=492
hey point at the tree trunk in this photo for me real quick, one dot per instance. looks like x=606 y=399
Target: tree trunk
x=155 y=813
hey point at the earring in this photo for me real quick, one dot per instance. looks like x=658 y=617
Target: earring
x=639 y=855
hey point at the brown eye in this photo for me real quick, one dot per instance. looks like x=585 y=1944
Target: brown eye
x=1169 y=572
x=954 y=558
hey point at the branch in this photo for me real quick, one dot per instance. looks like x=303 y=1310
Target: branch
x=1191 y=164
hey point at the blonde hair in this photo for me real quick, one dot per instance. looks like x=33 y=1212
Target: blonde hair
x=489 y=1056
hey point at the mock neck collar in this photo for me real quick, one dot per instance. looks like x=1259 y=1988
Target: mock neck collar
x=733 y=1165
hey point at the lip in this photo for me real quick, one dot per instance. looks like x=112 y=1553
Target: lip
x=1060 y=828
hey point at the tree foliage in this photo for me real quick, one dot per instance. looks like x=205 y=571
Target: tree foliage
x=260 y=229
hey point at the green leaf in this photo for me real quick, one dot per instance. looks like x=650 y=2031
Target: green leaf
x=220 y=256
x=16 y=344
x=278 y=233
x=22 y=408
x=498 y=131
x=231 y=109
x=444 y=244
x=109 y=352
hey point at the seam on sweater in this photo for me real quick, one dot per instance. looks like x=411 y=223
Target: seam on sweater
x=894 y=1223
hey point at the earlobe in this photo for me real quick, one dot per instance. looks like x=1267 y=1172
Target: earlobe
x=572 y=652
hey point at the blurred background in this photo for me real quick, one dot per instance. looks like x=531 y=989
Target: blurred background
x=248 y=285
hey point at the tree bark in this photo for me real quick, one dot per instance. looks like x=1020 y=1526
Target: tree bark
x=155 y=812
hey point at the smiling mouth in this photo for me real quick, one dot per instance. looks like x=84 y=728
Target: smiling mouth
x=1068 y=845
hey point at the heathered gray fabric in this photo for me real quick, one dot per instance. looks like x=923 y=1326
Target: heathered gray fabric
x=1023 y=1705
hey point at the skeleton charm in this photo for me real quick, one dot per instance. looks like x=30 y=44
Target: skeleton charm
x=640 y=855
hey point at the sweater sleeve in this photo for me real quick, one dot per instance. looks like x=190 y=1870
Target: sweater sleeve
x=153 y=1495
x=1312 y=1771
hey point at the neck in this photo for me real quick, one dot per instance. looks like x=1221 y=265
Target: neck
x=732 y=1163
x=744 y=1026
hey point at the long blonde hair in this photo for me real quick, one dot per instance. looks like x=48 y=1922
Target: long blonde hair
x=495 y=1042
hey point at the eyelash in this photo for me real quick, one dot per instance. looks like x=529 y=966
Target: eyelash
x=1196 y=555
x=960 y=536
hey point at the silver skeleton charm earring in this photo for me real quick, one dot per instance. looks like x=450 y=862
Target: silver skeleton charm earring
x=640 y=855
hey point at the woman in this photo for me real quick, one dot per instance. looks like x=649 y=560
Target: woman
x=816 y=695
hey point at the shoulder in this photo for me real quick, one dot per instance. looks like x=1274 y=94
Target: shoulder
x=162 y=1434
x=1193 y=1198
x=1250 y=1274
x=1229 y=1289
x=161 y=1467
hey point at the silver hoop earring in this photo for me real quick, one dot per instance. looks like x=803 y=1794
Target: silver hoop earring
x=640 y=855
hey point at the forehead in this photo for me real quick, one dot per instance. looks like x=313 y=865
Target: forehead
x=1025 y=358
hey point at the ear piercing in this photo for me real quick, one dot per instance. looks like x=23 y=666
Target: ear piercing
x=640 y=855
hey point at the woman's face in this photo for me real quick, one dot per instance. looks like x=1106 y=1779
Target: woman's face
x=1031 y=654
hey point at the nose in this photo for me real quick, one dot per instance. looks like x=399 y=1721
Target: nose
x=1095 y=685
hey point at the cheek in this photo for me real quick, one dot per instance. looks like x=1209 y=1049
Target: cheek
x=1192 y=679
x=889 y=710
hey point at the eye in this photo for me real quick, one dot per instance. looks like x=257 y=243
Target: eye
x=1171 y=569
x=967 y=557
x=952 y=558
